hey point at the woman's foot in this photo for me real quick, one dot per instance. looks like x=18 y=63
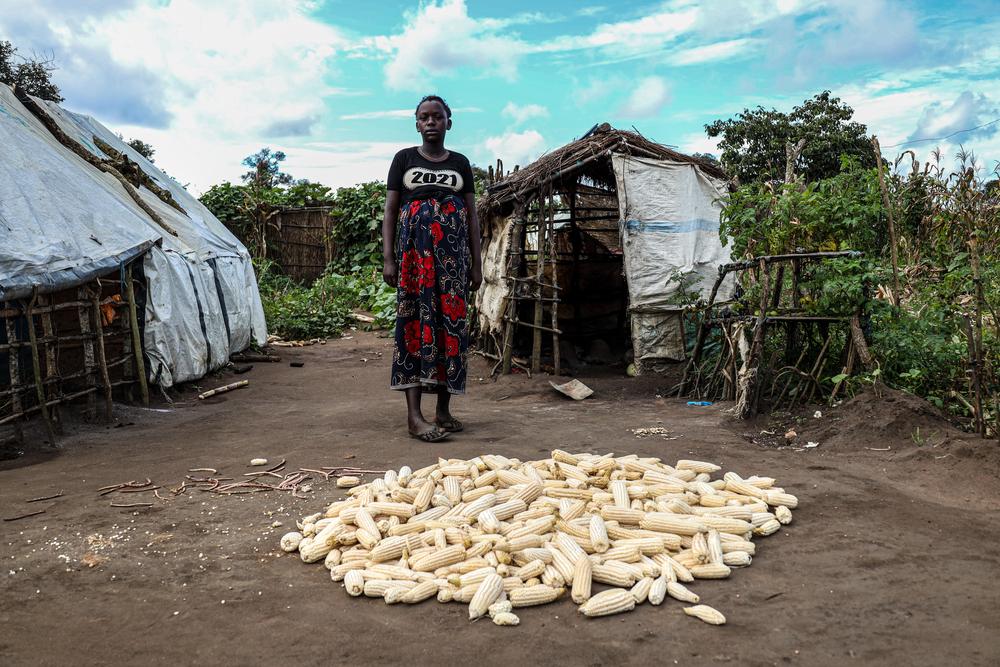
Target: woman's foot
x=425 y=431
x=448 y=423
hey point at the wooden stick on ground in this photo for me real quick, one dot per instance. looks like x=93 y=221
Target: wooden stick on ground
x=223 y=389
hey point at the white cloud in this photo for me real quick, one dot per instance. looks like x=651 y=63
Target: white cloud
x=713 y=52
x=515 y=147
x=520 y=113
x=219 y=80
x=439 y=39
x=967 y=111
x=648 y=97
x=699 y=142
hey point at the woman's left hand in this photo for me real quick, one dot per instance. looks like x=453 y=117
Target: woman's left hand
x=475 y=278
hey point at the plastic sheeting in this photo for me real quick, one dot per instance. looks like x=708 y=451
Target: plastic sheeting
x=67 y=222
x=670 y=236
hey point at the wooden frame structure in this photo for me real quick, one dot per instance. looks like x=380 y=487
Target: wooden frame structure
x=81 y=342
x=558 y=209
x=739 y=370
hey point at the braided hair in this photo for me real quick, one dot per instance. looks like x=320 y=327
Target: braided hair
x=434 y=98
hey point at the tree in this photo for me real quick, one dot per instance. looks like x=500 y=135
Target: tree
x=32 y=75
x=753 y=143
x=142 y=148
x=265 y=169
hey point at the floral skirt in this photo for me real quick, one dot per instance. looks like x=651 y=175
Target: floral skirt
x=432 y=333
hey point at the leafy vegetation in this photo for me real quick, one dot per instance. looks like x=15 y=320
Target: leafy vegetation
x=948 y=239
x=33 y=75
x=753 y=144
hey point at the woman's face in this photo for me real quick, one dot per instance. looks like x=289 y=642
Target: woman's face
x=432 y=121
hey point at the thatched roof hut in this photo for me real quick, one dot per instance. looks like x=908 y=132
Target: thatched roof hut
x=567 y=255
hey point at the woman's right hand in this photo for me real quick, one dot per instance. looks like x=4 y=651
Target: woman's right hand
x=390 y=273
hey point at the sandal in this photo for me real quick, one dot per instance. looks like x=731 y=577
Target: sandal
x=434 y=435
x=451 y=425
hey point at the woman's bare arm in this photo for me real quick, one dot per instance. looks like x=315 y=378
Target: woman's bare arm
x=390 y=271
x=475 y=241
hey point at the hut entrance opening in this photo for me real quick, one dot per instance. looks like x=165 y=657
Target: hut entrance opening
x=582 y=281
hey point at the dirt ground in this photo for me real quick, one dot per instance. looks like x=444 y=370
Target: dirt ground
x=892 y=558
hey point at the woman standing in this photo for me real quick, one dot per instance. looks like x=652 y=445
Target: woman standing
x=432 y=258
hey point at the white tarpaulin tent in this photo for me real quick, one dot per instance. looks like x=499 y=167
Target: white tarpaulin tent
x=64 y=222
x=670 y=238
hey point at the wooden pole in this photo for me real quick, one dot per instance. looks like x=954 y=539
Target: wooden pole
x=223 y=389
x=51 y=363
x=514 y=245
x=140 y=364
x=554 y=305
x=89 y=360
x=892 y=226
x=102 y=359
x=37 y=367
x=13 y=366
x=536 y=341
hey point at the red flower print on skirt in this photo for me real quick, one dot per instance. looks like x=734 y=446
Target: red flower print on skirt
x=451 y=346
x=436 y=232
x=447 y=208
x=410 y=272
x=411 y=336
x=453 y=306
x=414 y=208
x=428 y=334
x=427 y=271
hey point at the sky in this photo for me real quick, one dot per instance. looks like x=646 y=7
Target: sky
x=334 y=83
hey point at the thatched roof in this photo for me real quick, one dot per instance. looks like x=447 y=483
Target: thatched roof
x=589 y=157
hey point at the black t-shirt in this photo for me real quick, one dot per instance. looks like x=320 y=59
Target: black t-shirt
x=416 y=177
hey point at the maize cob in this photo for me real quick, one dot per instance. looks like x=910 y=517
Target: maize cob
x=613 y=576
x=534 y=595
x=658 y=590
x=488 y=521
x=705 y=613
x=582 y=579
x=744 y=489
x=510 y=583
x=608 y=602
x=446 y=593
x=767 y=528
x=440 y=558
x=697 y=466
x=395 y=594
x=376 y=588
x=699 y=547
x=501 y=606
x=777 y=498
x=626 y=553
x=710 y=571
x=354 y=583
x=420 y=592
x=625 y=516
x=347 y=482
x=532 y=569
x=599 y=534
x=332 y=559
x=506 y=618
x=569 y=548
x=571 y=509
x=783 y=515
x=509 y=508
x=678 y=591
x=736 y=559
x=479 y=505
x=714 y=543
x=474 y=577
x=402 y=510
x=487 y=593
x=725 y=524
x=290 y=541
x=640 y=591
x=311 y=551
x=678 y=524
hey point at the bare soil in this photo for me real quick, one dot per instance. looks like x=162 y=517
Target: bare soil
x=892 y=558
